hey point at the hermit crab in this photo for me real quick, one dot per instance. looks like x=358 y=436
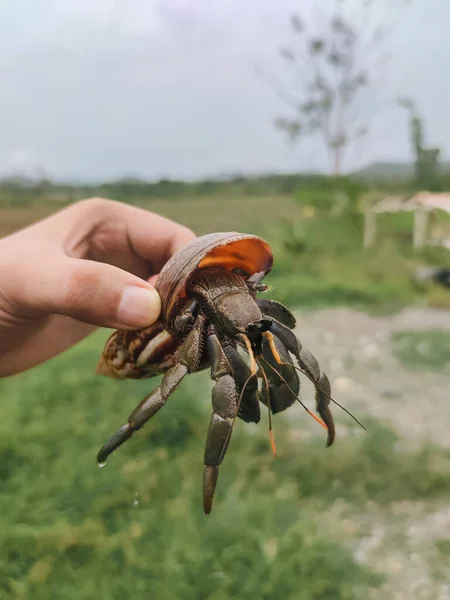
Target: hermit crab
x=213 y=318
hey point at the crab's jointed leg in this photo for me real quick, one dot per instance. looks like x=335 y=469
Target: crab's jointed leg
x=309 y=365
x=248 y=409
x=186 y=318
x=275 y=310
x=284 y=384
x=225 y=407
x=188 y=360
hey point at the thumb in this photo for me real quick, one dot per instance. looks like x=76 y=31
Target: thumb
x=93 y=292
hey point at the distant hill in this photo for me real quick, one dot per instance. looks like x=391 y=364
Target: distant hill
x=391 y=170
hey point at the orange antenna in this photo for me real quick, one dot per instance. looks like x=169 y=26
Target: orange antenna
x=272 y=441
x=253 y=370
x=271 y=340
x=251 y=354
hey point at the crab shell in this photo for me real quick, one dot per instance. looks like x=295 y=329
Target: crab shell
x=231 y=250
x=150 y=351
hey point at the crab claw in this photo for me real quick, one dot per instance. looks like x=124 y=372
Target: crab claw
x=210 y=475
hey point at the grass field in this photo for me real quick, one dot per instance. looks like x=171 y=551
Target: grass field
x=289 y=528
x=296 y=528
x=203 y=214
x=428 y=351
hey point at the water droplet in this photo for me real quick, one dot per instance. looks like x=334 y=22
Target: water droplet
x=101 y=465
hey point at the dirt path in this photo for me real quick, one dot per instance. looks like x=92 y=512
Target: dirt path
x=355 y=350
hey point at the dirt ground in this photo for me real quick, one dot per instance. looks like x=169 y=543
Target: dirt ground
x=355 y=350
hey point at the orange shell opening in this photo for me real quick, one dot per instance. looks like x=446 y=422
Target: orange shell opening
x=252 y=255
x=228 y=250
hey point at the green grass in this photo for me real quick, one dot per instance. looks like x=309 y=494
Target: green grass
x=443 y=546
x=425 y=350
x=136 y=529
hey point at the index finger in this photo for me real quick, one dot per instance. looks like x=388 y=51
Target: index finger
x=126 y=235
x=156 y=238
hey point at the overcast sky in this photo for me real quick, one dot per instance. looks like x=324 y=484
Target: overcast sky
x=100 y=89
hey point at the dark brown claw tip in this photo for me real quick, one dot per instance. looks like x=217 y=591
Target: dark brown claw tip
x=328 y=420
x=210 y=475
x=122 y=435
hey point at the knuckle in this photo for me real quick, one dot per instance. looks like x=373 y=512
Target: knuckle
x=96 y=206
x=182 y=236
x=187 y=233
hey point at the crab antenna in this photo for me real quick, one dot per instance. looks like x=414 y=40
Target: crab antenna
x=253 y=363
x=311 y=414
x=251 y=354
x=325 y=393
x=271 y=340
x=272 y=441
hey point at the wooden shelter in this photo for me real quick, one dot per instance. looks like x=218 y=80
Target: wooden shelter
x=424 y=205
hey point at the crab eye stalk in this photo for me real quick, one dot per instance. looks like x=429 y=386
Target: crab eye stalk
x=259 y=327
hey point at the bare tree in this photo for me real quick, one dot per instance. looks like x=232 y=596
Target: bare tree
x=332 y=69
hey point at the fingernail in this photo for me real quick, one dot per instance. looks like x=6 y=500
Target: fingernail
x=139 y=307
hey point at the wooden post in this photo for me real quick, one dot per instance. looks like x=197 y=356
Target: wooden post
x=420 y=228
x=370 y=226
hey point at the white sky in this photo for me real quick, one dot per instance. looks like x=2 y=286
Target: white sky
x=100 y=89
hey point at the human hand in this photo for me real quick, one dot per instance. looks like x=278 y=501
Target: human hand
x=89 y=265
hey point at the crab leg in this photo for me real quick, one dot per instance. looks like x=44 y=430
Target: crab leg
x=275 y=310
x=248 y=409
x=309 y=365
x=284 y=383
x=188 y=360
x=225 y=406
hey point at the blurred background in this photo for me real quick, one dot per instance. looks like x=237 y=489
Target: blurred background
x=322 y=126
